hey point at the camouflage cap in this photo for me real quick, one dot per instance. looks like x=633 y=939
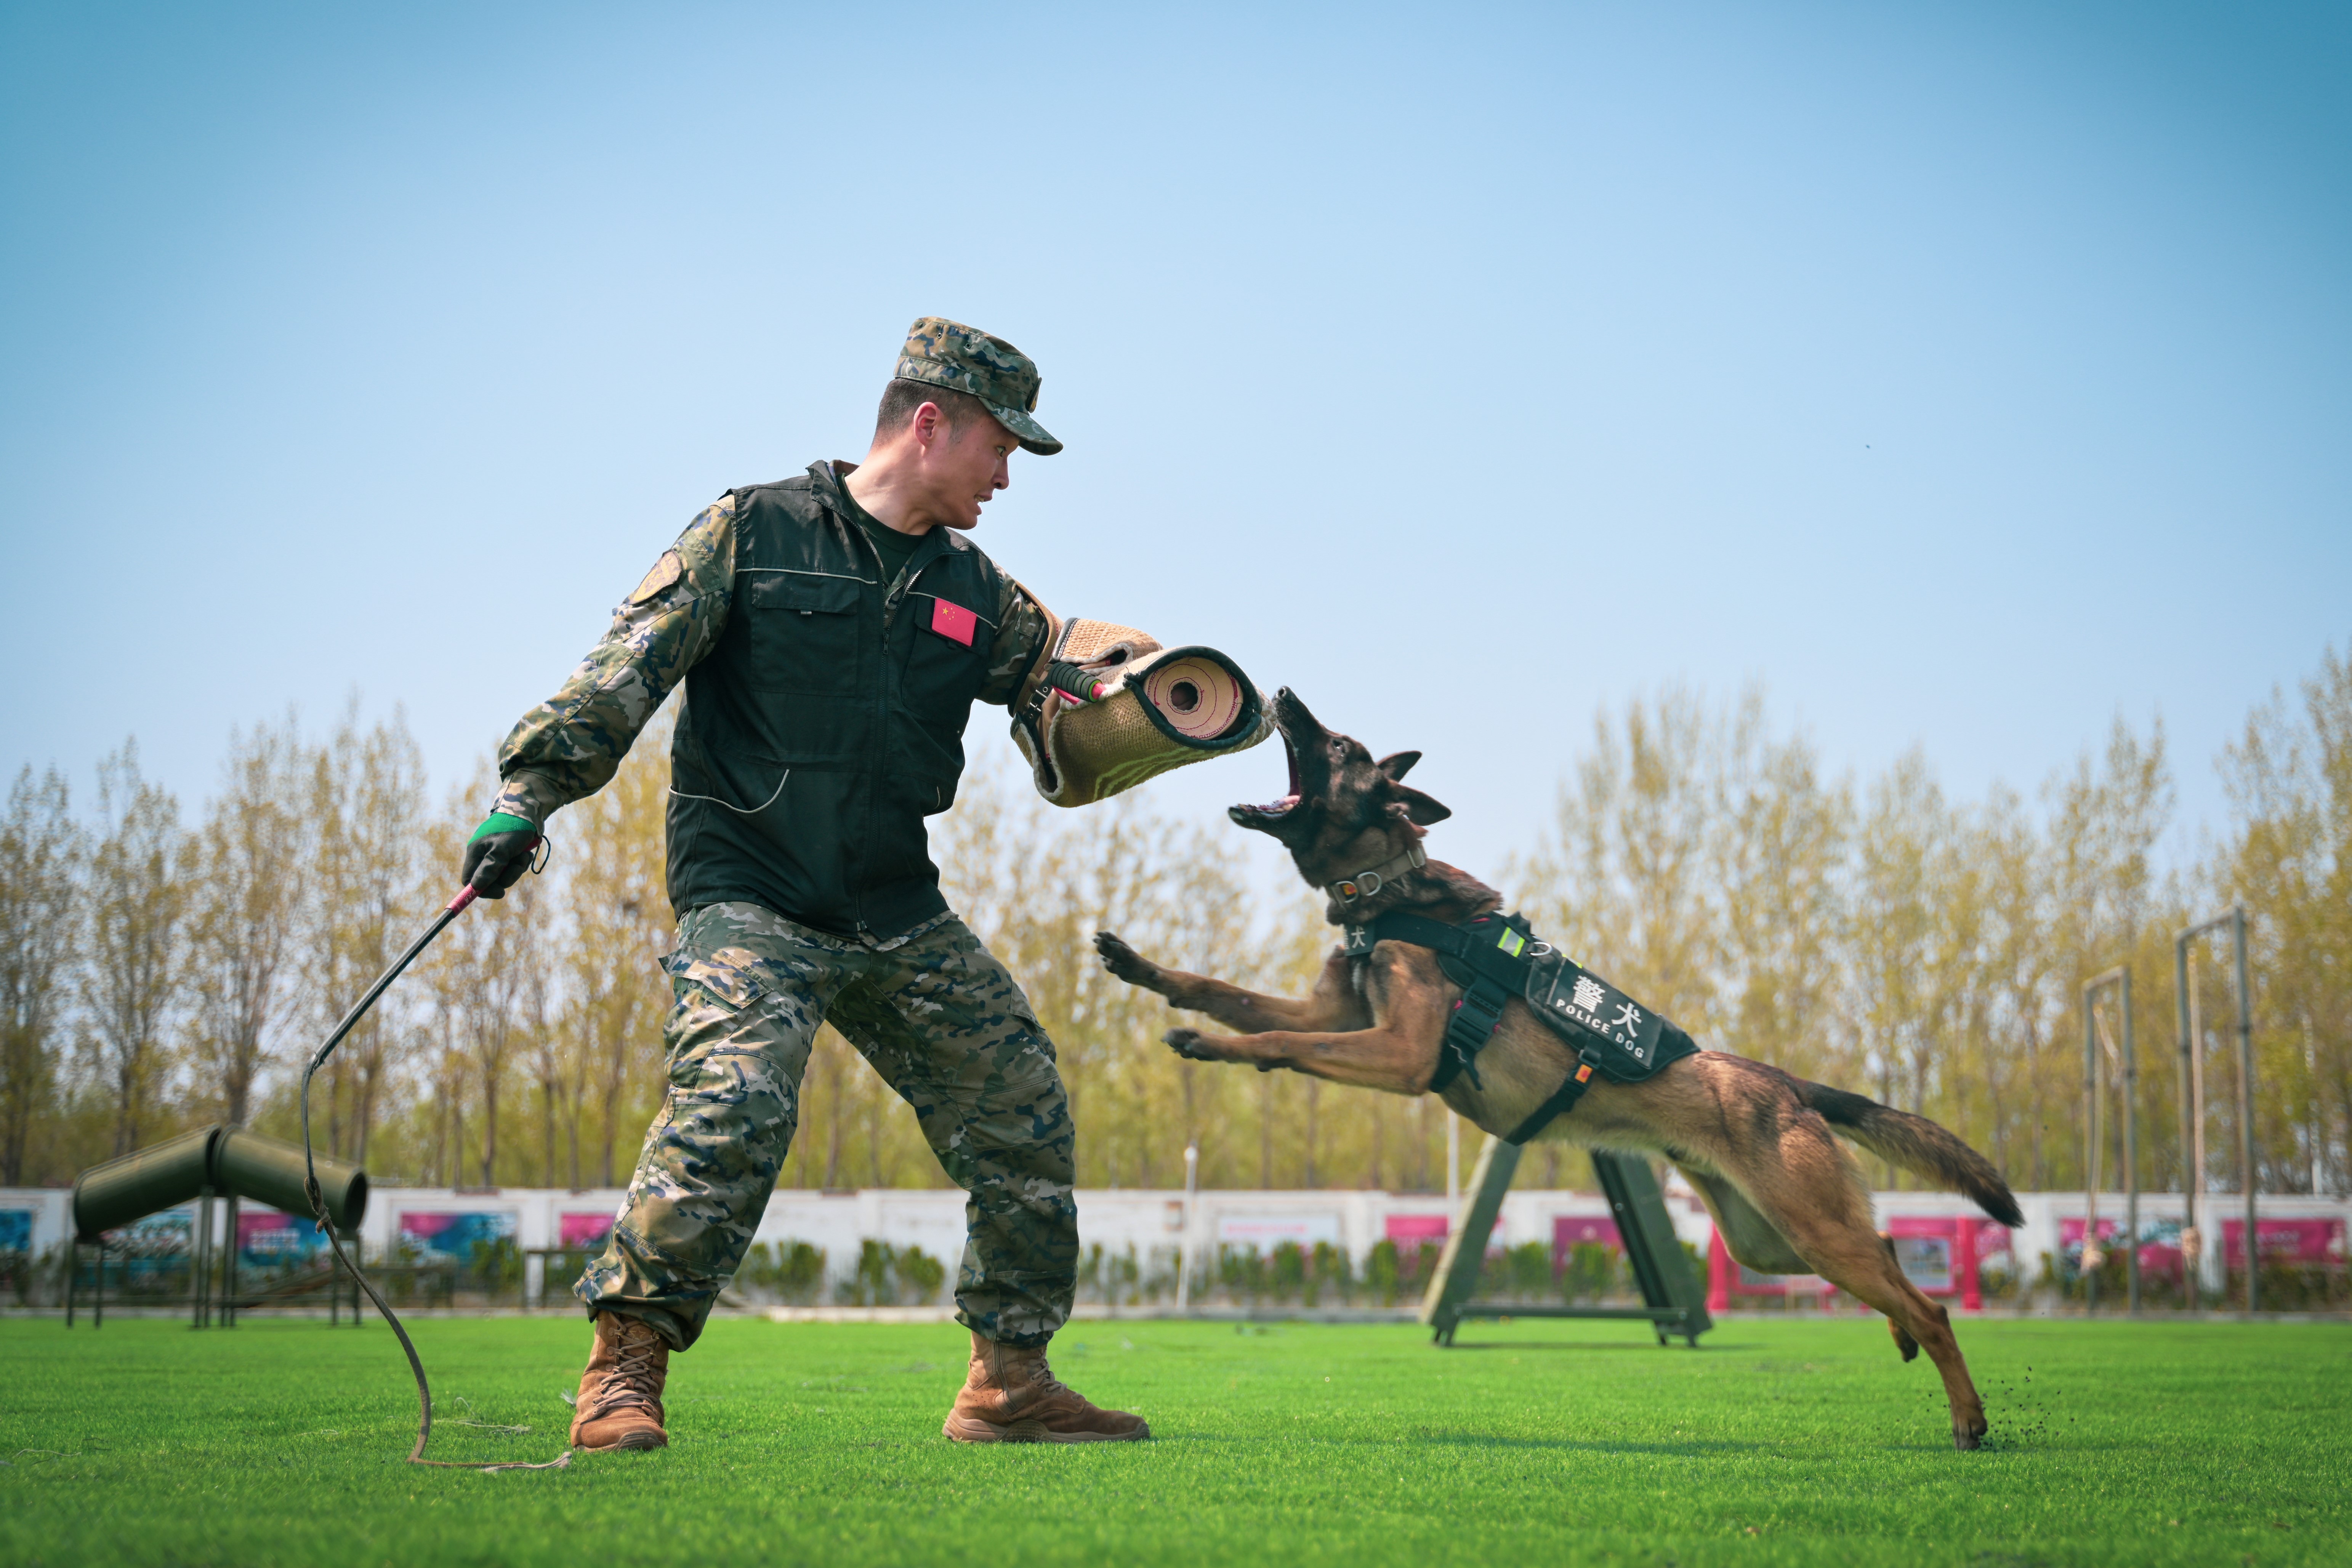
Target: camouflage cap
x=948 y=353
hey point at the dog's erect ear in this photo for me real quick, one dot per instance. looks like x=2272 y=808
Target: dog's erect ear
x=1420 y=809
x=1397 y=764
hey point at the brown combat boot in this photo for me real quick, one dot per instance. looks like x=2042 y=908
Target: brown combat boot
x=619 y=1406
x=1012 y=1397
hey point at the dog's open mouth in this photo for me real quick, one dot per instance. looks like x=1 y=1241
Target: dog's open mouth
x=1273 y=810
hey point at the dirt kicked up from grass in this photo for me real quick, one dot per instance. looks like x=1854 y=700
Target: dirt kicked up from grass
x=1774 y=1443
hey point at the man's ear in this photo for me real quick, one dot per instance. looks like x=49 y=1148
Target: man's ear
x=1419 y=809
x=1397 y=764
x=930 y=422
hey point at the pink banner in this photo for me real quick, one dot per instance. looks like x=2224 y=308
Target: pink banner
x=1991 y=1236
x=1410 y=1230
x=1576 y=1230
x=1570 y=1232
x=2160 y=1245
x=584 y=1229
x=2302 y=1241
x=454 y=1235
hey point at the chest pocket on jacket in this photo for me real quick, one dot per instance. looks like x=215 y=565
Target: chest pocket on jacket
x=805 y=631
x=944 y=673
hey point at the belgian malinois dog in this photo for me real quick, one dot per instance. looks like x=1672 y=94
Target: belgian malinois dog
x=1755 y=1143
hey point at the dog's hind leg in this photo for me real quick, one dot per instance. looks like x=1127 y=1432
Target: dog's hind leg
x=1904 y=1344
x=1801 y=1183
x=1750 y=1239
x=1748 y=1236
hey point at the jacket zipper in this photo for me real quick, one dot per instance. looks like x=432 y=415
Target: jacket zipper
x=893 y=596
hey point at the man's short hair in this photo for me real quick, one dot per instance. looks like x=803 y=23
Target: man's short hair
x=902 y=398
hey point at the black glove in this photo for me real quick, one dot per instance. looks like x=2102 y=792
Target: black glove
x=498 y=854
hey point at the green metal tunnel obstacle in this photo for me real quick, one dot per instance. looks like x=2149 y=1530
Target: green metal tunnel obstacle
x=210 y=1163
x=1675 y=1299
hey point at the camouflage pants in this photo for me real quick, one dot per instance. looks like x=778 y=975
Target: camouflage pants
x=943 y=1023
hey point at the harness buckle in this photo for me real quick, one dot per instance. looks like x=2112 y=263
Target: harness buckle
x=1364 y=884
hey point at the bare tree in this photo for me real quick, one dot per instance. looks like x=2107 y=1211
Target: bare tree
x=1894 y=917
x=2288 y=857
x=368 y=791
x=479 y=971
x=1625 y=880
x=1785 y=871
x=140 y=874
x=1887 y=938
x=2104 y=819
x=2019 y=962
x=41 y=856
x=253 y=860
x=611 y=850
x=559 y=1104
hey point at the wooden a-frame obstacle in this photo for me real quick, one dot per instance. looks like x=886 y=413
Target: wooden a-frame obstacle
x=1676 y=1301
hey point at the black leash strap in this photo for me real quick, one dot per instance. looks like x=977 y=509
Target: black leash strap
x=1563 y=1100
x=449 y=912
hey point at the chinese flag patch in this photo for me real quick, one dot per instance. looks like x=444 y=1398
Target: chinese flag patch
x=953 y=622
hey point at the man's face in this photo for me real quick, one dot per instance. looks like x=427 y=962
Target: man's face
x=964 y=469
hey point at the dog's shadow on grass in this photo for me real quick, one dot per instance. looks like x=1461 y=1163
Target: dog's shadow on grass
x=1695 y=1449
x=1713 y=1346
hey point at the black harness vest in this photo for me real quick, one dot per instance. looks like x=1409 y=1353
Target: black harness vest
x=1497 y=957
x=828 y=722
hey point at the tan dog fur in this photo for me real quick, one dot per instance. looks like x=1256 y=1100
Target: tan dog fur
x=1758 y=1145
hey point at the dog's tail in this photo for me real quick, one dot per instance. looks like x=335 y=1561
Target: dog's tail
x=1916 y=1145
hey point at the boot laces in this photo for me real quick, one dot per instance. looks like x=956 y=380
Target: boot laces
x=1042 y=1385
x=635 y=1377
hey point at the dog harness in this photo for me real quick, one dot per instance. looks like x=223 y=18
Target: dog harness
x=1497 y=957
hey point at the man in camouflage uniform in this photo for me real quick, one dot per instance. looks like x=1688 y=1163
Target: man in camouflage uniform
x=832 y=632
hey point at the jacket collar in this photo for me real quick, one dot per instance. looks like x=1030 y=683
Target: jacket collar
x=825 y=480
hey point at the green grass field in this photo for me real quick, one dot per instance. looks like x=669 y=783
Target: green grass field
x=1774 y=1443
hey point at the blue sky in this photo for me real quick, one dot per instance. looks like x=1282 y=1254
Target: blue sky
x=1966 y=374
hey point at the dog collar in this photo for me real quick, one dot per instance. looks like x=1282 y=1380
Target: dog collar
x=1364 y=884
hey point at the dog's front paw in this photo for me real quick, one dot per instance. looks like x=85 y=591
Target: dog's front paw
x=1124 y=961
x=1188 y=1043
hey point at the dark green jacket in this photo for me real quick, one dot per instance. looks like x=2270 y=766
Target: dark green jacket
x=823 y=710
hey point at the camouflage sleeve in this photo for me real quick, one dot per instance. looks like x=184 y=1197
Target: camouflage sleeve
x=571 y=745
x=1016 y=658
